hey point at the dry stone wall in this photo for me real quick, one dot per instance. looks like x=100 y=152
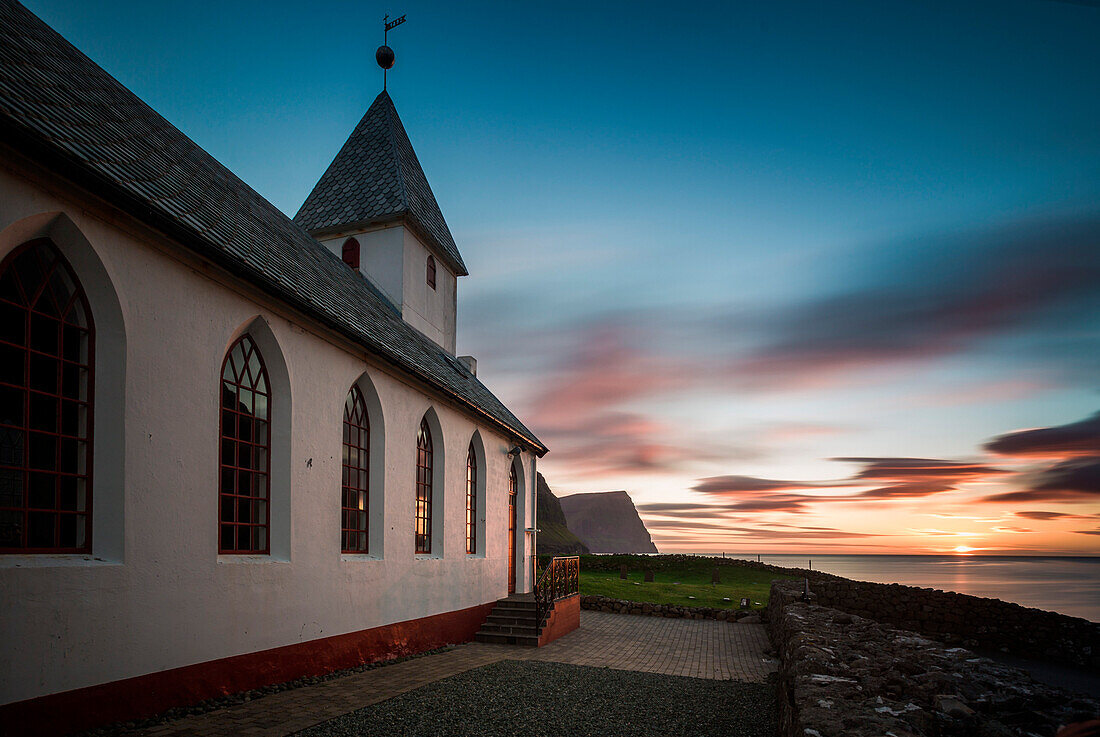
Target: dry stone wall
x=846 y=675
x=970 y=621
x=671 y=611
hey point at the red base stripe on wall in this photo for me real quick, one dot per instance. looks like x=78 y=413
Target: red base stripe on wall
x=144 y=696
x=564 y=618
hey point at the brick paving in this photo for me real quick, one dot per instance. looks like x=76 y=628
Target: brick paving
x=679 y=647
x=699 y=648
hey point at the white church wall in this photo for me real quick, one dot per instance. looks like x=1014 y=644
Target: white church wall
x=160 y=596
x=381 y=257
x=395 y=261
x=431 y=311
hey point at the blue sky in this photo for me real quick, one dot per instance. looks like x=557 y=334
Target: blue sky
x=729 y=241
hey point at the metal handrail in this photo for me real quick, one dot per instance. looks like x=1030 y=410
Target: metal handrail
x=561 y=578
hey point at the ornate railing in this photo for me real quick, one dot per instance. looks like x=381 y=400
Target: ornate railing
x=560 y=579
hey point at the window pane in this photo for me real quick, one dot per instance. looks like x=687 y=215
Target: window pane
x=70 y=496
x=11 y=446
x=72 y=456
x=11 y=529
x=43 y=452
x=12 y=365
x=43 y=373
x=11 y=405
x=44 y=412
x=260 y=406
x=13 y=323
x=244 y=401
x=73 y=415
x=74 y=344
x=67 y=531
x=42 y=491
x=11 y=488
x=229 y=481
x=45 y=334
x=40 y=529
x=73 y=381
x=229 y=452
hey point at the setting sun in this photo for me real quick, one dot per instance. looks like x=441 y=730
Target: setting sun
x=964 y=549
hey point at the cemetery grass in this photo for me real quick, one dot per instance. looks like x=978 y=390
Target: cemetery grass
x=677 y=585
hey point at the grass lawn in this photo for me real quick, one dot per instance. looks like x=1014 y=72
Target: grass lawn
x=676 y=585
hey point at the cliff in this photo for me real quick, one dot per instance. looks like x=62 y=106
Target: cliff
x=554 y=536
x=607 y=522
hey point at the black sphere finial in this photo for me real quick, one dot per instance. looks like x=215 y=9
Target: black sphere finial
x=385 y=57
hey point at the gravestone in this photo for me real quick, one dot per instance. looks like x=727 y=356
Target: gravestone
x=649 y=575
x=715 y=576
x=622 y=572
x=745 y=602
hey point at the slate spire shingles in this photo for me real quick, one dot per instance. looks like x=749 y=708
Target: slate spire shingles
x=60 y=108
x=376 y=178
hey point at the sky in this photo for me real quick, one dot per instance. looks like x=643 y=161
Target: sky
x=799 y=276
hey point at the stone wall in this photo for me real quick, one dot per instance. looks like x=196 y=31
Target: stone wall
x=843 y=674
x=672 y=611
x=970 y=621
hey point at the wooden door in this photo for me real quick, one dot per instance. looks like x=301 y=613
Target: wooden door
x=512 y=530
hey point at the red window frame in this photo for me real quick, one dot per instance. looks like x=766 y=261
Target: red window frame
x=244 y=479
x=45 y=421
x=350 y=253
x=431 y=271
x=423 y=530
x=471 y=502
x=355 y=482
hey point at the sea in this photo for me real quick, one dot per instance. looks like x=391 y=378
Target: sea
x=1060 y=584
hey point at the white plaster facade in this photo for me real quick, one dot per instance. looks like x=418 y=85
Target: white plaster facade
x=395 y=261
x=155 y=594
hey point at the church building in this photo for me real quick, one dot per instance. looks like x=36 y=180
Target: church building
x=236 y=448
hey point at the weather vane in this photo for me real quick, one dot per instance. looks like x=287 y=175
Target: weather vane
x=385 y=56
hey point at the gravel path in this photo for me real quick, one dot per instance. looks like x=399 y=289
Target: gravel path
x=533 y=698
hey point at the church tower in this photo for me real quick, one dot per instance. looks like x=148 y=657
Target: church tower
x=373 y=208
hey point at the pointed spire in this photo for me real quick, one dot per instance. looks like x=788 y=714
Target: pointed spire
x=376 y=178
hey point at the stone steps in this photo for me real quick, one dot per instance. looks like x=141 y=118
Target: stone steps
x=512 y=622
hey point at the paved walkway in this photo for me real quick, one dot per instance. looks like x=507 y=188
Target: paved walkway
x=679 y=647
x=699 y=648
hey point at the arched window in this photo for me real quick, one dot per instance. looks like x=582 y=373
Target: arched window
x=245 y=483
x=424 y=488
x=351 y=253
x=431 y=271
x=46 y=358
x=471 y=501
x=513 y=490
x=355 y=485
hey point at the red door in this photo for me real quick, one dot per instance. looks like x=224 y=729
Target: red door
x=512 y=531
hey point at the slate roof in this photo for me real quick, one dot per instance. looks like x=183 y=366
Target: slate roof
x=376 y=178
x=61 y=109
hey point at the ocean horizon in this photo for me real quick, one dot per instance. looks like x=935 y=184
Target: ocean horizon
x=1064 y=584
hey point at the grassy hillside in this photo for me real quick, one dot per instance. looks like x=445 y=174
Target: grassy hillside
x=675 y=582
x=554 y=537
